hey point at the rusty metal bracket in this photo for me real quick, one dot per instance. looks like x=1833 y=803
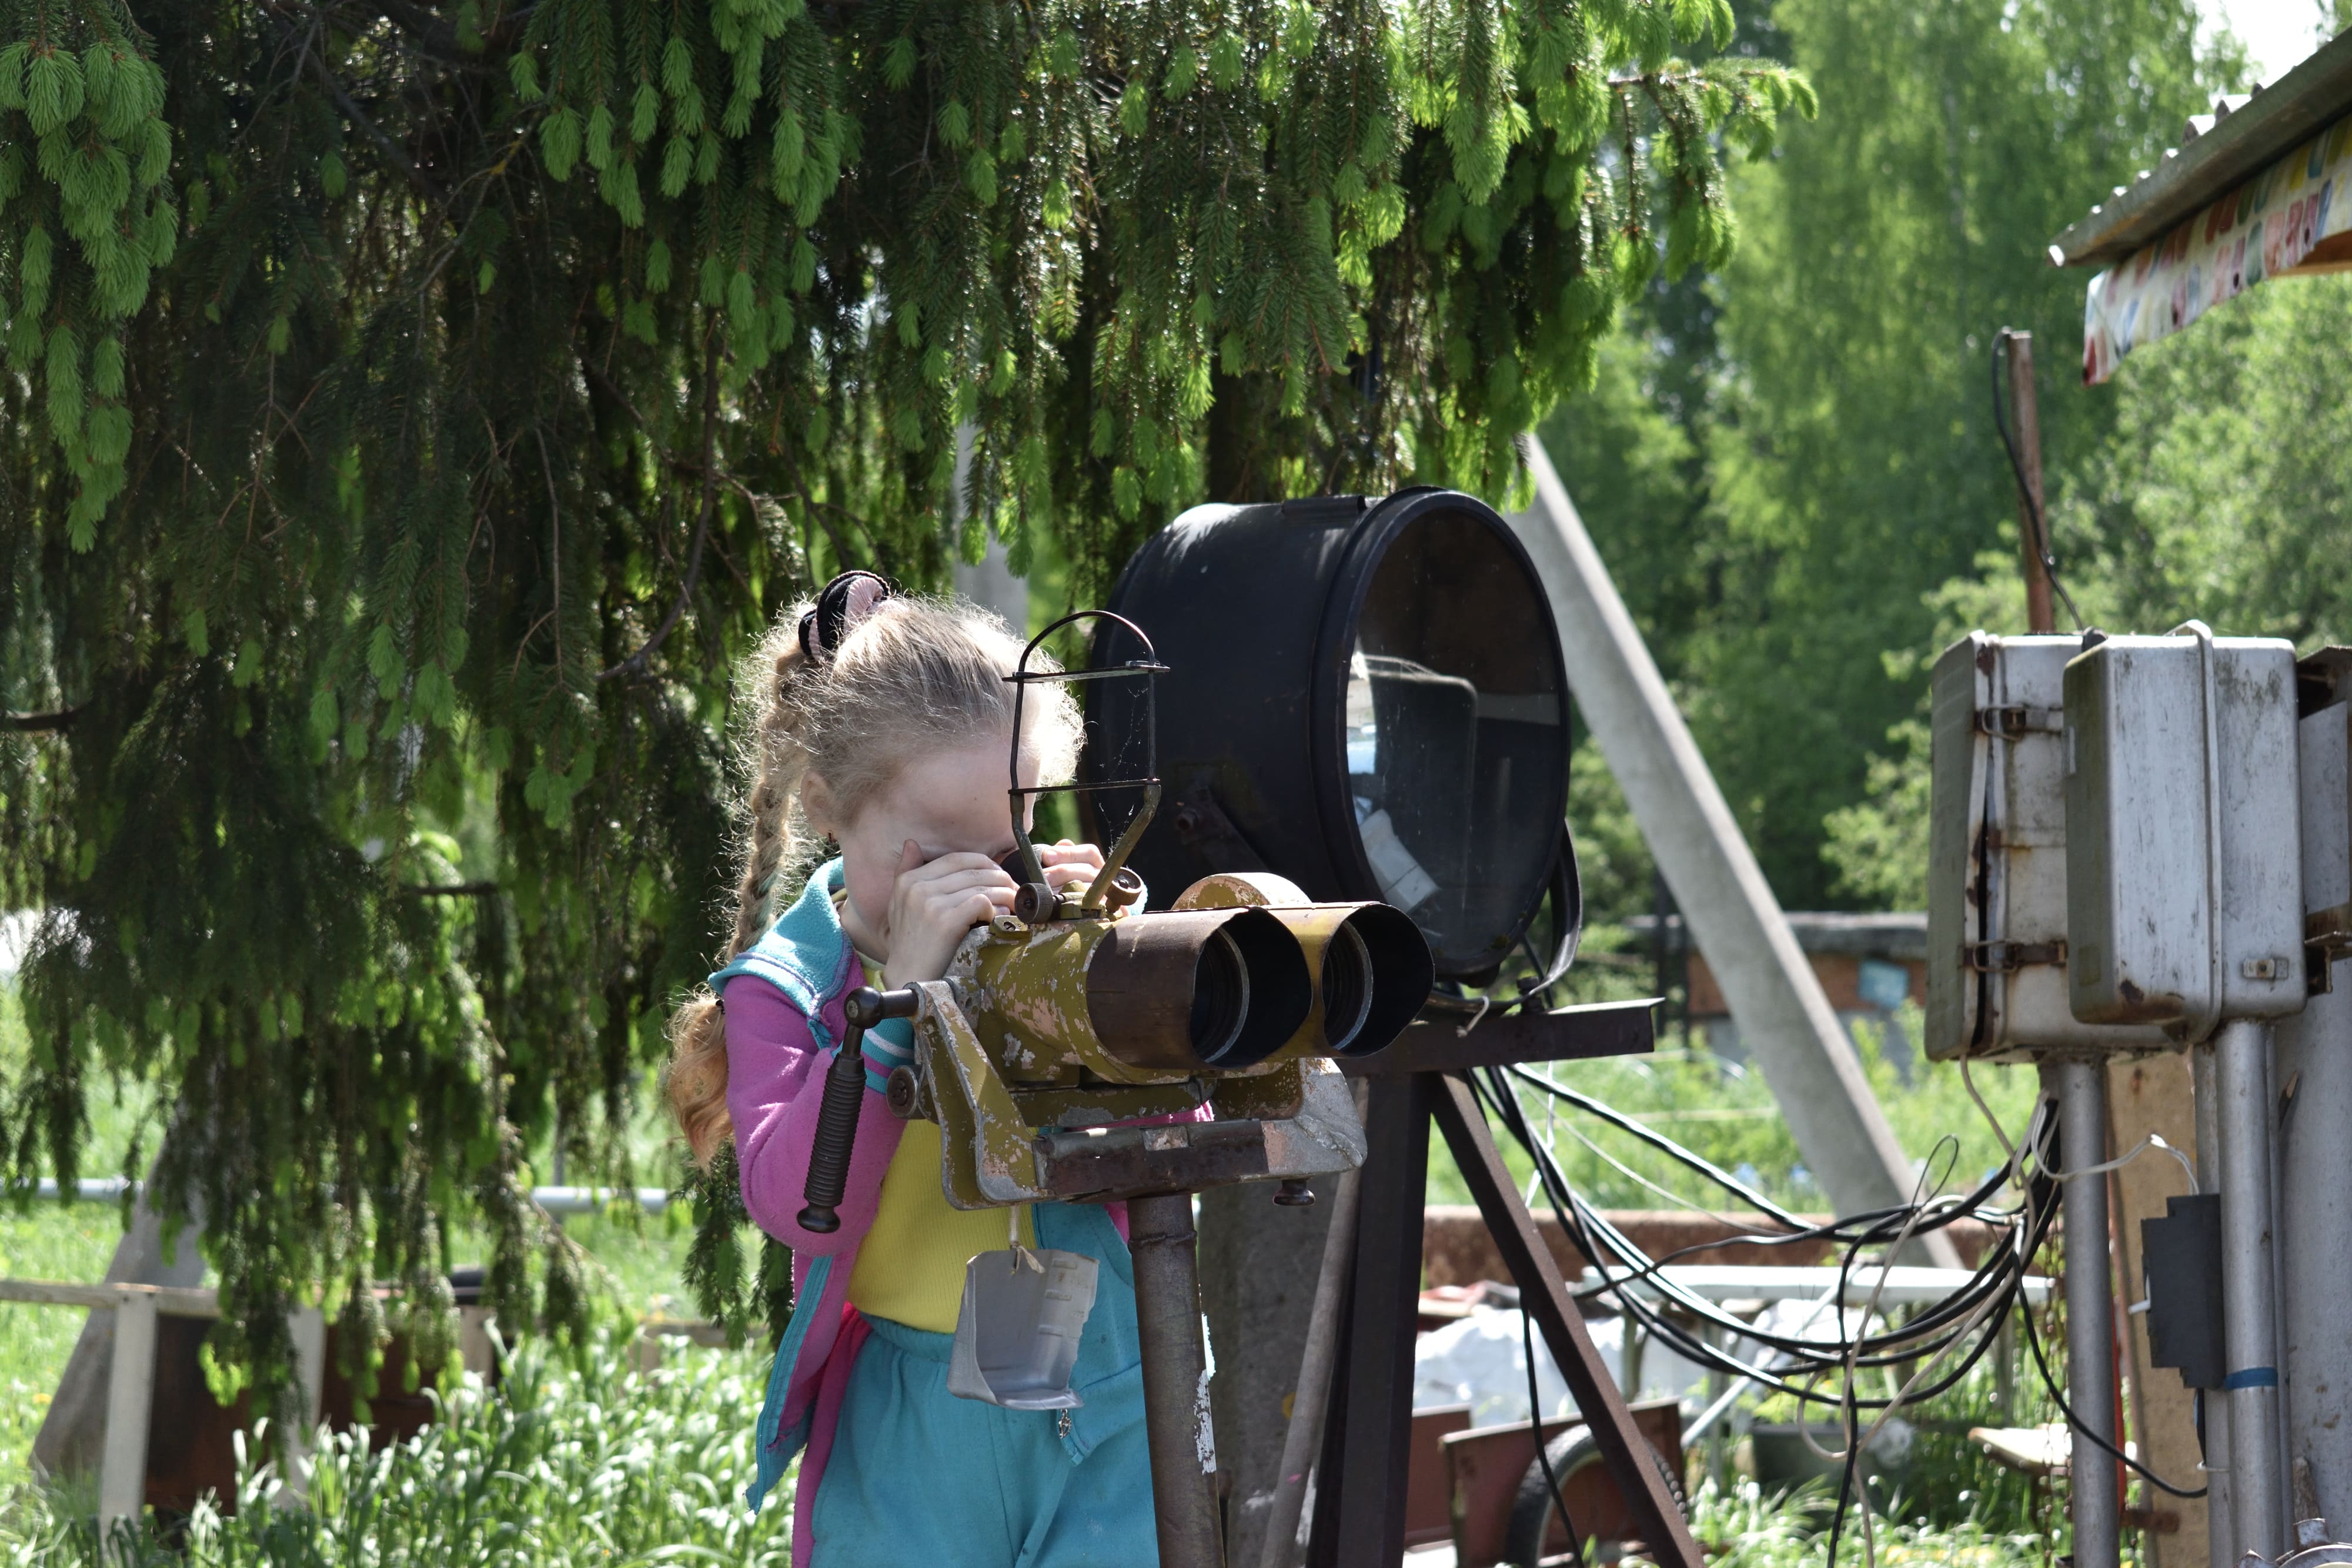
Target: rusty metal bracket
x=2327 y=936
x=997 y=1146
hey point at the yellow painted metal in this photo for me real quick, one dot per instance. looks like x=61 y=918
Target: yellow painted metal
x=1314 y=924
x=1007 y=1044
x=985 y=1155
x=1025 y=989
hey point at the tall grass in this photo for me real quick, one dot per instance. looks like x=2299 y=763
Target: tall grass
x=1752 y=1529
x=599 y=1464
x=562 y=1464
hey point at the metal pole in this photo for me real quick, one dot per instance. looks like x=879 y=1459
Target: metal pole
x=2241 y=1072
x=2314 y=1158
x=1175 y=1380
x=1311 y=1392
x=2081 y=1089
x=2220 y=1515
x=1728 y=908
x=2025 y=413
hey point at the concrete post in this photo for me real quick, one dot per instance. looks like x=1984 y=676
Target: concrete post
x=1774 y=996
x=1259 y=1267
x=989 y=584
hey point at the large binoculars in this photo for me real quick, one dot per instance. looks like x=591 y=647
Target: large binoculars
x=1242 y=973
x=1052 y=1032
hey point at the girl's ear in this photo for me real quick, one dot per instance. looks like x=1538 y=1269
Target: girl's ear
x=816 y=806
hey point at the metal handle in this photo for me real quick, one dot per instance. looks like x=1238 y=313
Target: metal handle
x=836 y=1121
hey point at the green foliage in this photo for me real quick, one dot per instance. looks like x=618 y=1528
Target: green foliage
x=86 y=210
x=412 y=409
x=1791 y=458
x=2227 y=493
x=555 y=1466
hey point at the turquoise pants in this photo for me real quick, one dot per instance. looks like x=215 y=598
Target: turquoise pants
x=918 y=1476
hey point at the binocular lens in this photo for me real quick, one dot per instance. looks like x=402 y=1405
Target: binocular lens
x=1347 y=987
x=1190 y=990
x=1220 y=997
x=1376 y=974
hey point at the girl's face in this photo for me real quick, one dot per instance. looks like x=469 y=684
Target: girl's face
x=945 y=801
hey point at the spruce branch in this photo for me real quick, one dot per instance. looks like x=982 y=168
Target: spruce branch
x=40 y=723
x=635 y=664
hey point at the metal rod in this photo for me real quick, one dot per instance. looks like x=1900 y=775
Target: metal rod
x=1359 y=1482
x=2026 y=410
x=2082 y=1088
x=2220 y=1527
x=2242 y=1074
x=1160 y=1239
x=1310 y=1395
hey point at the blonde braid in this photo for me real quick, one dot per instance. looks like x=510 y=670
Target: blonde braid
x=696 y=1078
x=913 y=674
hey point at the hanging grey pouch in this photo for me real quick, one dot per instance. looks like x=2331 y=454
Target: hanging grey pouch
x=1016 y=1340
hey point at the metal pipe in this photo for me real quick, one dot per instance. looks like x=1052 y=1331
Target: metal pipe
x=2313 y=1067
x=2221 y=1526
x=2249 y=1295
x=1160 y=1239
x=1312 y=1392
x=2082 y=1087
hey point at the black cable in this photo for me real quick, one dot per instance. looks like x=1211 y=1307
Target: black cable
x=1665 y=1144
x=2033 y=1344
x=1909 y=1344
x=1851 y=1421
x=1543 y=1449
x=1998 y=1283
x=2039 y=542
x=1998 y=1278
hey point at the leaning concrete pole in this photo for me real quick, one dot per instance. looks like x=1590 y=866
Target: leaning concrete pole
x=1783 y=1016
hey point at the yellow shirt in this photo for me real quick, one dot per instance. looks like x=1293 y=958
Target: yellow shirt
x=910 y=1266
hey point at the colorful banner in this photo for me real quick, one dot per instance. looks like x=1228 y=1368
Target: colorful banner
x=2287 y=219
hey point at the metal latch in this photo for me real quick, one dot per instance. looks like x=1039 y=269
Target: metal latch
x=2009 y=723
x=2000 y=957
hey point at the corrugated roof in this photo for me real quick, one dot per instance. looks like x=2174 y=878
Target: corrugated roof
x=2272 y=123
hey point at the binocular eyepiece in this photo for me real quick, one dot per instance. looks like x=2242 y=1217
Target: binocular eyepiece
x=1224 y=982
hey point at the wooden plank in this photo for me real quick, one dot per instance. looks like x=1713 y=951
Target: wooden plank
x=1564 y=1034
x=1360 y=1481
x=1428 y=1503
x=1544 y=1295
x=173 y=1300
x=2153 y=1095
x=130 y=1392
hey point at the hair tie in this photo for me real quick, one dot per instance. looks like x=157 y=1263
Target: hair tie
x=843 y=602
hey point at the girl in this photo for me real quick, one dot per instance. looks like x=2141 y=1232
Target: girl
x=884 y=724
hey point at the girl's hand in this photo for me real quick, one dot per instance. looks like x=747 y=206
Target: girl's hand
x=934 y=902
x=1066 y=862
